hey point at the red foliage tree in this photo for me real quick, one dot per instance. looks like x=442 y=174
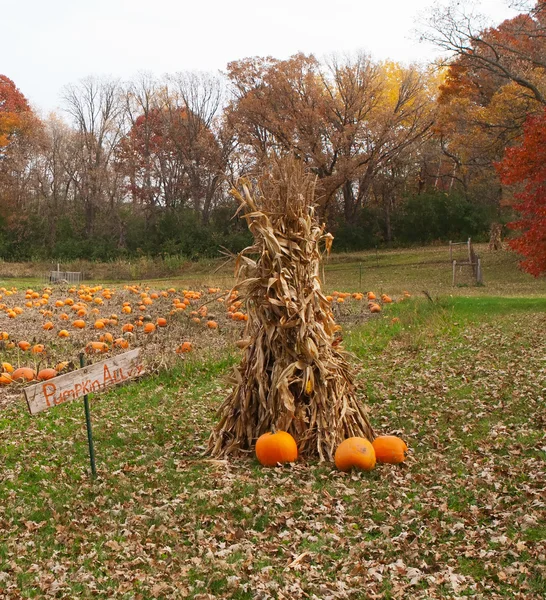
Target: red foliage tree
x=14 y=111
x=525 y=166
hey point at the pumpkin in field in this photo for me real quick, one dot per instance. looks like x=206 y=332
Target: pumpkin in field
x=212 y=324
x=7 y=367
x=78 y=324
x=24 y=345
x=149 y=328
x=161 y=322
x=355 y=453
x=45 y=374
x=96 y=347
x=38 y=349
x=63 y=333
x=184 y=347
x=5 y=379
x=390 y=449
x=274 y=448
x=23 y=374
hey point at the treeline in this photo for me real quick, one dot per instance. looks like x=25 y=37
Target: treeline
x=402 y=154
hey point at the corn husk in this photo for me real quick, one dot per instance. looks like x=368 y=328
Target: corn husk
x=292 y=376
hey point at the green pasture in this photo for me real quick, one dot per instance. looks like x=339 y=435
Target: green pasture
x=459 y=375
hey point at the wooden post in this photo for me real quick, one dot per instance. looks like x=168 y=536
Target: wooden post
x=454 y=267
x=450 y=251
x=479 y=280
x=469 y=243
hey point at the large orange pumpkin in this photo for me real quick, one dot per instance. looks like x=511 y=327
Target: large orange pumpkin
x=274 y=448
x=390 y=449
x=46 y=374
x=23 y=374
x=355 y=453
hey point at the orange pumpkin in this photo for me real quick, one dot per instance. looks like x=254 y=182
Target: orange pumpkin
x=121 y=343
x=47 y=326
x=63 y=333
x=161 y=322
x=95 y=347
x=355 y=453
x=149 y=328
x=184 y=347
x=5 y=379
x=24 y=345
x=212 y=324
x=23 y=374
x=79 y=324
x=45 y=374
x=7 y=367
x=390 y=449
x=274 y=448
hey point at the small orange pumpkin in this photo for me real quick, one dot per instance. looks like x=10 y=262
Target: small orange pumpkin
x=184 y=347
x=355 y=453
x=24 y=345
x=274 y=448
x=5 y=379
x=78 y=324
x=390 y=449
x=149 y=328
x=161 y=322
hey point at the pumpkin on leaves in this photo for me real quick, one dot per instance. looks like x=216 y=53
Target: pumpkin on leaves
x=355 y=453
x=274 y=448
x=390 y=449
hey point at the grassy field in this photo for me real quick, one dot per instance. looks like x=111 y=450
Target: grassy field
x=385 y=270
x=462 y=379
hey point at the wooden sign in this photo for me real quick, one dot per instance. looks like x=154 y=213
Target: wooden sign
x=93 y=378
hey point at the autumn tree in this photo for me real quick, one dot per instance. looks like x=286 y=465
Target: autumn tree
x=345 y=119
x=96 y=112
x=20 y=136
x=524 y=167
x=495 y=78
x=173 y=156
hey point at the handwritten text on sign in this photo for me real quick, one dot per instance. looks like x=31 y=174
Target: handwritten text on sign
x=93 y=378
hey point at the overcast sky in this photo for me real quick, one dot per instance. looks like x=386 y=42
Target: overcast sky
x=47 y=44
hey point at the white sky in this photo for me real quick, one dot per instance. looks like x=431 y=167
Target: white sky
x=48 y=44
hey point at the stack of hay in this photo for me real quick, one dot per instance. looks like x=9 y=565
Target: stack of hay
x=293 y=375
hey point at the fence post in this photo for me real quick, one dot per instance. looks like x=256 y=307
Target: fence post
x=450 y=251
x=479 y=274
x=454 y=267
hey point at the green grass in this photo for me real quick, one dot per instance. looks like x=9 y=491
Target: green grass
x=461 y=379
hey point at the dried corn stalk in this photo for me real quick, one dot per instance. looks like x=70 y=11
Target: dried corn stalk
x=292 y=377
